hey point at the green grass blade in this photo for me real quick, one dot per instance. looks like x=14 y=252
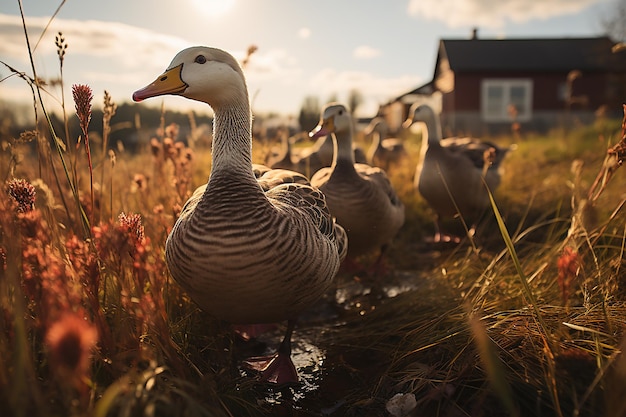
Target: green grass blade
x=528 y=293
x=530 y=297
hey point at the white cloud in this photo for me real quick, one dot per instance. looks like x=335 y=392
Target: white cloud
x=125 y=48
x=274 y=78
x=304 y=33
x=105 y=55
x=275 y=64
x=270 y=61
x=492 y=13
x=130 y=46
x=365 y=52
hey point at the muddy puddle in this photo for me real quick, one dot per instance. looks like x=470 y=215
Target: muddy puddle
x=330 y=374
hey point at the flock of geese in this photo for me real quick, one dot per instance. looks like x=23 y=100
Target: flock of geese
x=309 y=160
x=260 y=244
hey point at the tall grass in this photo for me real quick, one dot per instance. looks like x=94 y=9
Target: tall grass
x=528 y=319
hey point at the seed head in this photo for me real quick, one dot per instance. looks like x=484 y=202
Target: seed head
x=155 y=147
x=251 y=50
x=59 y=41
x=140 y=183
x=83 y=96
x=112 y=157
x=27 y=136
x=109 y=106
x=23 y=193
x=568 y=264
x=172 y=130
x=132 y=222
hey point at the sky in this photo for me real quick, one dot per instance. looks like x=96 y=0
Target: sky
x=322 y=48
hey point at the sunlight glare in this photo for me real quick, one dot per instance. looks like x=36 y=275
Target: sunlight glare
x=214 y=8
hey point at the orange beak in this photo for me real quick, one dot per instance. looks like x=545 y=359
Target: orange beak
x=170 y=82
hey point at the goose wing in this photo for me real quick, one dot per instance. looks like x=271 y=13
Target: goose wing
x=379 y=178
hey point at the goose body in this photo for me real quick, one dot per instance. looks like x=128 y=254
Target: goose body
x=384 y=152
x=360 y=196
x=451 y=171
x=284 y=158
x=253 y=245
x=319 y=155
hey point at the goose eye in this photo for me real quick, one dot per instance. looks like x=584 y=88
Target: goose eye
x=200 y=59
x=340 y=112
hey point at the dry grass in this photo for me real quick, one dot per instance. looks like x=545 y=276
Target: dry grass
x=527 y=320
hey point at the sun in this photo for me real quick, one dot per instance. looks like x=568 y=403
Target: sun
x=213 y=8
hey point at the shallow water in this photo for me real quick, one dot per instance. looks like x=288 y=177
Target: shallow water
x=352 y=296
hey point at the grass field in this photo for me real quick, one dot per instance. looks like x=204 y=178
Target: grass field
x=525 y=318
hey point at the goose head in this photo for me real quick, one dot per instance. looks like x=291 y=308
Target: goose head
x=335 y=119
x=425 y=114
x=419 y=113
x=379 y=125
x=200 y=73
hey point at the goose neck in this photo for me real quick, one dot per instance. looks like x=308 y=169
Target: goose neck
x=342 y=148
x=433 y=130
x=232 y=139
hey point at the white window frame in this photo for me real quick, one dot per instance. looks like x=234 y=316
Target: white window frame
x=501 y=112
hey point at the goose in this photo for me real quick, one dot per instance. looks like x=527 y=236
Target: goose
x=360 y=196
x=320 y=155
x=308 y=160
x=284 y=158
x=252 y=245
x=450 y=172
x=384 y=152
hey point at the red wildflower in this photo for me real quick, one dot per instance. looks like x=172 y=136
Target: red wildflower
x=133 y=224
x=569 y=264
x=70 y=341
x=83 y=96
x=23 y=193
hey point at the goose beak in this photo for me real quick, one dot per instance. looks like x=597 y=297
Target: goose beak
x=324 y=128
x=407 y=123
x=170 y=82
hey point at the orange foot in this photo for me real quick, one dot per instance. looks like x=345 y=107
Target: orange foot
x=276 y=369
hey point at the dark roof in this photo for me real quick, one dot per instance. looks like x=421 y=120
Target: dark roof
x=552 y=54
x=424 y=89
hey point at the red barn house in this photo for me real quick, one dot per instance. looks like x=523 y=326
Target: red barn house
x=482 y=86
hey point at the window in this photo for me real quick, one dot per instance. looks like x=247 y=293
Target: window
x=500 y=96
